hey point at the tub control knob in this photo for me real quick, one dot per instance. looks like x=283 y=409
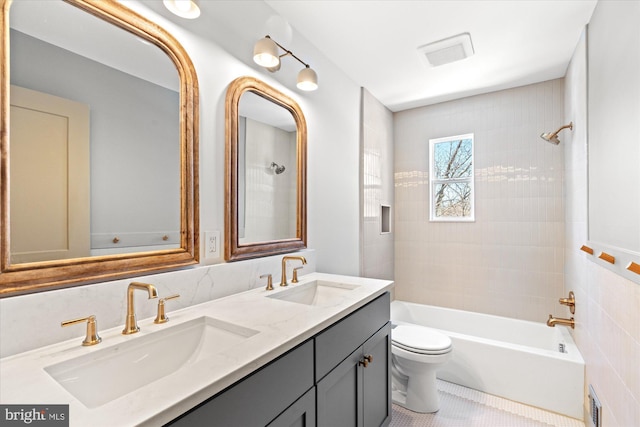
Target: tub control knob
x=366 y=360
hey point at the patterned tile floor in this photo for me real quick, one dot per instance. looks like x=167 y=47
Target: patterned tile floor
x=464 y=407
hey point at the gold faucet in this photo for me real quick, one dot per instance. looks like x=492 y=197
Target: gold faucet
x=553 y=321
x=131 y=326
x=283 y=279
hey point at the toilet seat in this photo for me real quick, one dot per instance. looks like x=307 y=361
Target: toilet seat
x=420 y=340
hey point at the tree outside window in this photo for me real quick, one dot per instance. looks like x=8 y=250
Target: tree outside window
x=451 y=178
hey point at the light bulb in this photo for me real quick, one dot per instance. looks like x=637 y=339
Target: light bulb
x=265 y=53
x=188 y=9
x=182 y=5
x=307 y=79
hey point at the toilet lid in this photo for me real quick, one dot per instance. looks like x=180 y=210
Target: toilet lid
x=420 y=339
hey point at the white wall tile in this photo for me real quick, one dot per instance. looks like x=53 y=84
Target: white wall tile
x=486 y=265
x=607 y=306
x=377 y=188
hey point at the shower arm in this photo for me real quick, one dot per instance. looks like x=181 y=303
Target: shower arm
x=570 y=126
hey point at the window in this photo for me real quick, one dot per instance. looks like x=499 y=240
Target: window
x=451 y=178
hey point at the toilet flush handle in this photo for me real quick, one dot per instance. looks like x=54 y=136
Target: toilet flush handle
x=366 y=360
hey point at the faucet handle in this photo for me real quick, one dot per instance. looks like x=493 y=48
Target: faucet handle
x=570 y=302
x=269 y=281
x=161 y=317
x=91 y=337
x=294 y=279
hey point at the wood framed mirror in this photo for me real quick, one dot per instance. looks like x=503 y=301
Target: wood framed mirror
x=265 y=171
x=134 y=203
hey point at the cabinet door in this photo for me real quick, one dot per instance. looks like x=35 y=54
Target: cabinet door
x=301 y=414
x=340 y=394
x=376 y=378
x=356 y=393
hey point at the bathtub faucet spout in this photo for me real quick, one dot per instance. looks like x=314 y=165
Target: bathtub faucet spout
x=553 y=321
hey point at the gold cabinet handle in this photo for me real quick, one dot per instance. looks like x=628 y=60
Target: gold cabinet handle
x=161 y=317
x=91 y=337
x=366 y=360
x=633 y=267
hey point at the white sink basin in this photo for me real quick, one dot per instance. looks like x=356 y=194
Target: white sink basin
x=104 y=375
x=317 y=292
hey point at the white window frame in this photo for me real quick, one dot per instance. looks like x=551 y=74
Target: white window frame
x=433 y=181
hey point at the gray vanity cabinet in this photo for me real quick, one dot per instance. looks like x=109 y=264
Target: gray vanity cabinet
x=326 y=381
x=356 y=391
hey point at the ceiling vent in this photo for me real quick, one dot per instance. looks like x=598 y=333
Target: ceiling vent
x=447 y=50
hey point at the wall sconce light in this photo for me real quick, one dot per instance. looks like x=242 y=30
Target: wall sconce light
x=188 y=9
x=265 y=54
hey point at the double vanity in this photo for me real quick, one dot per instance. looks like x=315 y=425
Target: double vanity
x=261 y=357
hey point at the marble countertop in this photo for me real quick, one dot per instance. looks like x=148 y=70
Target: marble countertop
x=281 y=325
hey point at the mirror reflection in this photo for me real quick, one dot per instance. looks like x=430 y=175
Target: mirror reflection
x=613 y=154
x=267 y=171
x=99 y=160
x=265 y=196
x=95 y=137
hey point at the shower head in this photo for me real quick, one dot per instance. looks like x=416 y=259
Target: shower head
x=553 y=137
x=549 y=137
x=278 y=169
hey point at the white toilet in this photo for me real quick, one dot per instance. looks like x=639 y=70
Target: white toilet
x=416 y=353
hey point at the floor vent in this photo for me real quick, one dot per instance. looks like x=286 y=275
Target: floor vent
x=595 y=408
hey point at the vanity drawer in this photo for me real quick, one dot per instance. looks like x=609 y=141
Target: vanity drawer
x=260 y=397
x=338 y=341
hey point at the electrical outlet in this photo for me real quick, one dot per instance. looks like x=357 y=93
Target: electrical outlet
x=212 y=244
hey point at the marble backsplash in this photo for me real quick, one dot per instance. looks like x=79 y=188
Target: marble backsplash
x=32 y=321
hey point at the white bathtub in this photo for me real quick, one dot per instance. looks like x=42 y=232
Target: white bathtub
x=514 y=359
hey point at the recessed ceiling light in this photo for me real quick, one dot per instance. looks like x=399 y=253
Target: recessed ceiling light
x=447 y=50
x=183 y=8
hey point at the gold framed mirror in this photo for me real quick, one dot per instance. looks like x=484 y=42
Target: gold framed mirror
x=166 y=227
x=265 y=171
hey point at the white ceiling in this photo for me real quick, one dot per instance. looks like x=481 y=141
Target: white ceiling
x=375 y=43
x=516 y=42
